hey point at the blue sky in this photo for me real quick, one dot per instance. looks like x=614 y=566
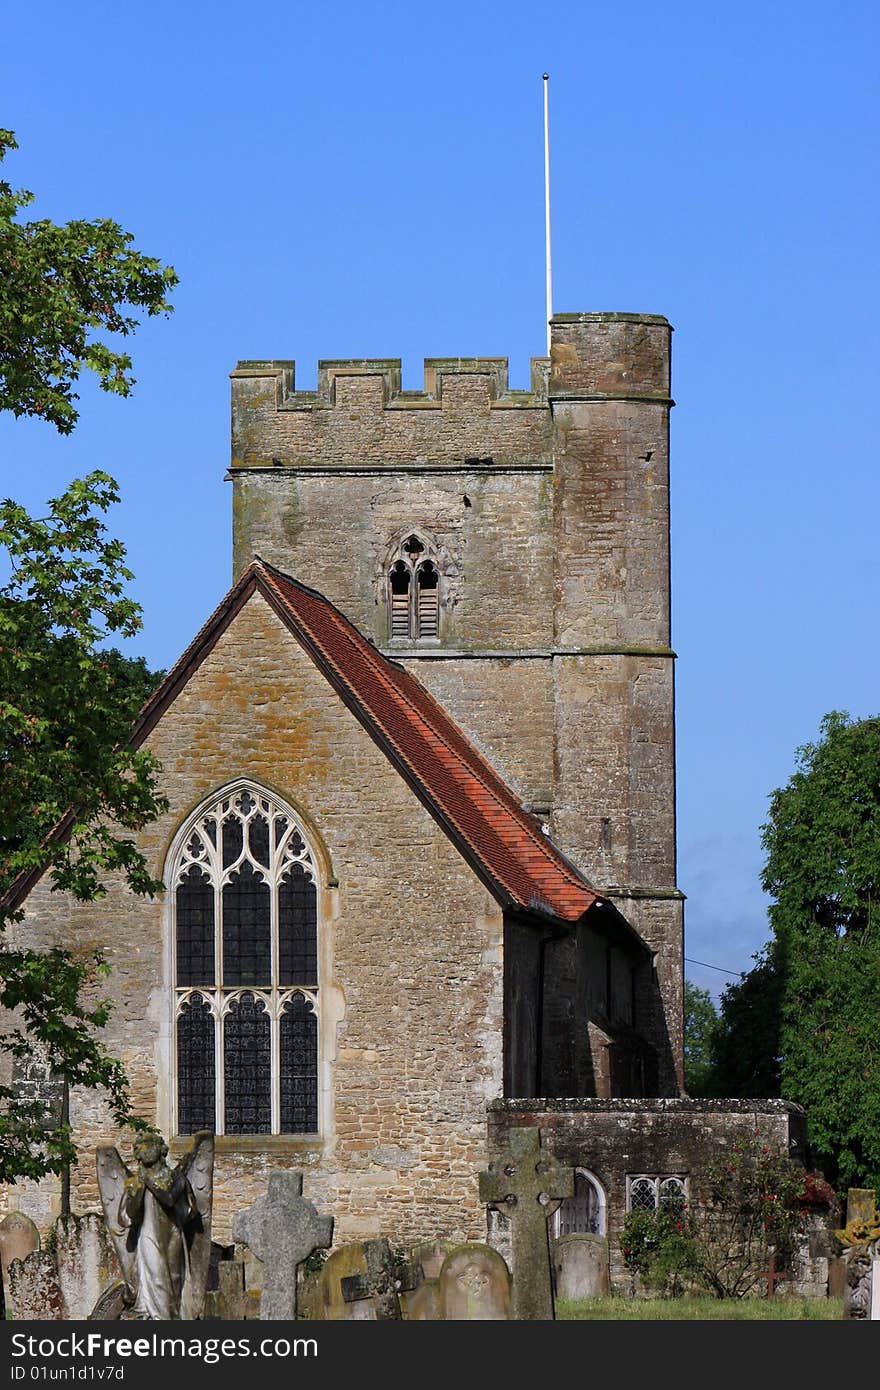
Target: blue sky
x=366 y=180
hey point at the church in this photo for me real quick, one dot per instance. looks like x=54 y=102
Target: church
x=419 y=856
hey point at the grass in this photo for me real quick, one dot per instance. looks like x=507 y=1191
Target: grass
x=699 y=1309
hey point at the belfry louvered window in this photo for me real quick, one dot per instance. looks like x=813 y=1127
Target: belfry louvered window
x=246 y=971
x=413 y=593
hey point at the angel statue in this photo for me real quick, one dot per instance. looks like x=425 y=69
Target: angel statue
x=159 y=1219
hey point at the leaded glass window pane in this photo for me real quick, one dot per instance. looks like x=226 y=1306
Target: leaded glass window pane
x=195 y=929
x=298 y=928
x=642 y=1195
x=247 y=1058
x=299 y=1068
x=233 y=840
x=195 y=1066
x=672 y=1193
x=258 y=840
x=246 y=930
x=247 y=945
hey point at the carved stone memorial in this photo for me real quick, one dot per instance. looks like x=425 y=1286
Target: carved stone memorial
x=159 y=1219
x=528 y=1183
x=282 y=1229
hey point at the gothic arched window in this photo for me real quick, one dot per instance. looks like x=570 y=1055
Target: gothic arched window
x=245 y=922
x=413 y=592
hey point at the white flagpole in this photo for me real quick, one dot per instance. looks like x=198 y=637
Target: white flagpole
x=546 y=80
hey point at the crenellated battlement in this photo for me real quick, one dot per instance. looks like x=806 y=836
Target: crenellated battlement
x=493 y=370
x=359 y=414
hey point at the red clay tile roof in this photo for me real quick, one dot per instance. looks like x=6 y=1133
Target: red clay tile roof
x=453 y=780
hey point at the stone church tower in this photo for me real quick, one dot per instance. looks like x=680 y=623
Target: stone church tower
x=511 y=549
x=419 y=851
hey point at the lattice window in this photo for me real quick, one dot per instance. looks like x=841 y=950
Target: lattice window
x=648 y=1192
x=246 y=971
x=413 y=593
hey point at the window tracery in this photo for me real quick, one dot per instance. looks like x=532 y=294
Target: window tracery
x=245 y=924
x=413 y=585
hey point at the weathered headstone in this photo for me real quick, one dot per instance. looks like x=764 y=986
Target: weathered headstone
x=360 y=1283
x=581 y=1264
x=474 y=1286
x=86 y=1262
x=230 y=1301
x=423 y=1304
x=529 y=1183
x=381 y=1281
x=70 y=1277
x=33 y=1293
x=282 y=1229
x=19 y=1238
x=429 y=1256
x=860 y=1239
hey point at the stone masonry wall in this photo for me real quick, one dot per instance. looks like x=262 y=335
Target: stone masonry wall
x=411 y=969
x=617 y=1139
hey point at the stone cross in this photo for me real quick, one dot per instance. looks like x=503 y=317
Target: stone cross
x=528 y=1182
x=282 y=1229
x=382 y=1281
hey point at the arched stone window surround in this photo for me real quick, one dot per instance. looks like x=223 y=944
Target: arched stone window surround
x=413 y=589
x=278 y=999
x=570 y=1212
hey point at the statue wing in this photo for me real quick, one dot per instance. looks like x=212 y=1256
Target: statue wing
x=197 y=1164
x=112 y=1176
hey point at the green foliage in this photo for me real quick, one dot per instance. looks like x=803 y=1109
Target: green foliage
x=746 y=1044
x=752 y=1205
x=823 y=871
x=66 y=705
x=658 y=1247
x=700 y=1028
x=70 y=787
x=60 y=287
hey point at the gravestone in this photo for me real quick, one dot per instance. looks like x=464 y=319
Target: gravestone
x=282 y=1229
x=860 y=1239
x=19 y=1238
x=86 y=1262
x=70 y=1277
x=33 y=1293
x=474 y=1286
x=230 y=1301
x=580 y=1261
x=528 y=1182
x=422 y=1303
x=429 y=1257
x=360 y=1283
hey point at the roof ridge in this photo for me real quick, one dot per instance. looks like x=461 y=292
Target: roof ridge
x=360 y=643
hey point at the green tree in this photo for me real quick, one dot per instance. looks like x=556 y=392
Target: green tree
x=61 y=288
x=71 y=789
x=746 y=1043
x=822 y=840
x=700 y=1028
